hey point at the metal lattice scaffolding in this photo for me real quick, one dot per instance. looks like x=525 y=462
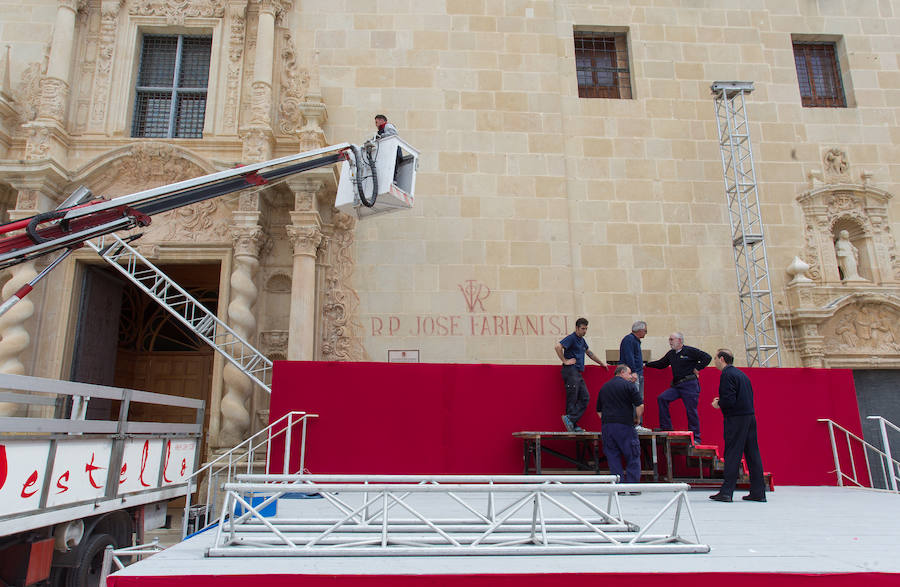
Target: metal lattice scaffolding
x=378 y=515
x=747 y=235
x=185 y=308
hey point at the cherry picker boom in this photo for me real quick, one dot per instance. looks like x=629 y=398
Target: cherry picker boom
x=70 y=225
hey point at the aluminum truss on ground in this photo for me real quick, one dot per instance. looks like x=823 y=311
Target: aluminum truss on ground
x=748 y=240
x=156 y=284
x=447 y=515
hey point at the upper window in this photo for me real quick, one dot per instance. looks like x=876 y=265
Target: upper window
x=601 y=59
x=819 y=75
x=170 y=97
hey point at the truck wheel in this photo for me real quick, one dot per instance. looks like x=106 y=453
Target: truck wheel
x=90 y=561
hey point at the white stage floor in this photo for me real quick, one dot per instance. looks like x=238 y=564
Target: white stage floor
x=800 y=530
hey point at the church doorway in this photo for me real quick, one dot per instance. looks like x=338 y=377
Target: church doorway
x=124 y=338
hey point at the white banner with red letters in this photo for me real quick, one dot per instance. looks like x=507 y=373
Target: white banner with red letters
x=81 y=469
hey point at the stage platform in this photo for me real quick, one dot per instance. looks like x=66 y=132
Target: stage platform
x=802 y=536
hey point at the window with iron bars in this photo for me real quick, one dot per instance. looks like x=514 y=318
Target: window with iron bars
x=819 y=75
x=601 y=60
x=170 y=97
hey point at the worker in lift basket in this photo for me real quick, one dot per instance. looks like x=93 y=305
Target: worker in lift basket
x=385 y=128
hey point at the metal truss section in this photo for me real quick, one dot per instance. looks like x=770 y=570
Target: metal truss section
x=448 y=515
x=156 y=284
x=747 y=235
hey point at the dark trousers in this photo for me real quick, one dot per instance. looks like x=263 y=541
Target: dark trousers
x=689 y=393
x=576 y=393
x=740 y=440
x=620 y=441
x=640 y=387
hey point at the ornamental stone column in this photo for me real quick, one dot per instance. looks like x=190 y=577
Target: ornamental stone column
x=305 y=232
x=234 y=407
x=302 y=323
x=258 y=135
x=46 y=135
x=15 y=339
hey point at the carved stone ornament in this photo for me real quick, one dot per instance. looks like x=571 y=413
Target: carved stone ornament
x=304 y=239
x=38 y=143
x=154 y=163
x=294 y=83
x=54 y=97
x=109 y=17
x=274 y=342
x=247 y=240
x=75 y=5
x=837 y=166
x=27 y=96
x=341 y=335
x=237 y=30
x=176 y=11
x=257 y=144
x=863 y=211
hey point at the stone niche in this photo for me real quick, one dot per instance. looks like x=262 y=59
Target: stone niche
x=843 y=312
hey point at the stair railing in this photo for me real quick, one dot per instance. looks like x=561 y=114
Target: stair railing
x=883 y=425
x=240 y=459
x=853 y=441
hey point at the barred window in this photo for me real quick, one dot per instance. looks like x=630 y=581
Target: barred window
x=819 y=75
x=170 y=99
x=601 y=60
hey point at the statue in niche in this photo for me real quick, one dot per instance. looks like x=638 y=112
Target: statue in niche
x=847 y=257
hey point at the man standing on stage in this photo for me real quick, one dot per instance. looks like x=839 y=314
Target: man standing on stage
x=686 y=362
x=617 y=403
x=630 y=354
x=736 y=402
x=571 y=351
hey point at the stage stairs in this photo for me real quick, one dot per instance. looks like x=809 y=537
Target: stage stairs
x=704 y=464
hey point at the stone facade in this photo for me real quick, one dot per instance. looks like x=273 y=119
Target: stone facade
x=533 y=205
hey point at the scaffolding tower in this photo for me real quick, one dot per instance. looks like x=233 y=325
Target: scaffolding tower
x=747 y=237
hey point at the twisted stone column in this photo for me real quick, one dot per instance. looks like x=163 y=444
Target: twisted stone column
x=14 y=339
x=238 y=387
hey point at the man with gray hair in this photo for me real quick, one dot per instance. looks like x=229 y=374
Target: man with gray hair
x=686 y=362
x=630 y=354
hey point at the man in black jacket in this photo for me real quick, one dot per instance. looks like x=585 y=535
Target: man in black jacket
x=686 y=362
x=736 y=402
x=619 y=406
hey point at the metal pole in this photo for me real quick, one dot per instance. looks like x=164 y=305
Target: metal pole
x=26 y=289
x=887 y=450
x=834 y=453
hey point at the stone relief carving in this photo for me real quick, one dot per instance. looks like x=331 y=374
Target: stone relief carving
x=341 y=338
x=279 y=283
x=109 y=16
x=864 y=329
x=54 y=98
x=274 y=342
x=176 y=11
x=27 y=96
x=38 y=143
x=294 y=83
x=836 y=164
x=233 y=76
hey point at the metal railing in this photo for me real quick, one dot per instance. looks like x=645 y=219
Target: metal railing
x=114 y=557
x=445 y=515
x=242 y=458
x=890 y=467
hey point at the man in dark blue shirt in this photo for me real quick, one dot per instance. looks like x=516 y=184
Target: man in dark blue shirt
x=617 y=402
x=736 y=402
x=630 y=354
x=686 y=362
x=571 y=351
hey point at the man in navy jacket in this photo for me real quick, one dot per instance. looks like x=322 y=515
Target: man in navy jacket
x=736 y=402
